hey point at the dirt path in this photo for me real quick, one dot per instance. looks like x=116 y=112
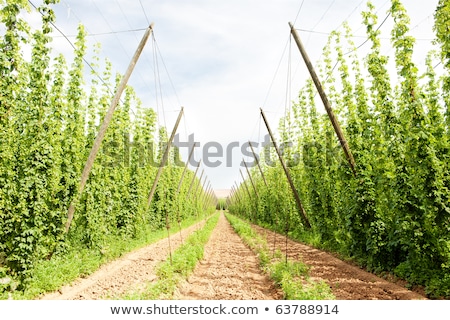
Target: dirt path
x=347 y=282
x=119 y=276
x=229 y=271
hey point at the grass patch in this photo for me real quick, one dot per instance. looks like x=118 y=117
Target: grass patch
x=292 y=276
x=50 y=275
x=184 y=260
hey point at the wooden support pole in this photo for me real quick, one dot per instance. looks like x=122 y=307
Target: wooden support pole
x=288 y=176
x=232 y=196
x=196 y=187
x=199 y=182
x=251 y=180
x=212 y=195
x=203 y=189
x=209 y=200
x=185 y=167
x=164 y=159
x=237 y=192
x=104 y=126
x=206 y=192
x=246 y=188
x=179 y=187
x=193 y=179
x=326 y=103
x=257 y=162
x=205 y=196
x=198 y=198
x=254 y=189
x=245 y=184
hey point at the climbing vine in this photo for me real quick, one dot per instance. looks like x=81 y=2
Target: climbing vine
x=49 y=117
x=394 y=215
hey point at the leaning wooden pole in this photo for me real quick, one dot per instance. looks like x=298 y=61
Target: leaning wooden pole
x=288 y=176
x=257 y=162
x=204 y=200
x=104 y=126
x=251 y=179
x=326 y=103
x=233 y=195
x=262 y=174
x=245 y=184
x=254 y=189
x=164 y=159
x=198 y=184
x=248 y=191
x=237 y=192
x=185 y=167
x=193 y=179
x=198 y=198
x=179 y=187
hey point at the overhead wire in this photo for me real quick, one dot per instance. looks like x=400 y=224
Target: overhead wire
x=145 y=14
x=287 y=104
x=377 y=12
x=354 y=36
x=109 y=26
x=324 y=14
x=93 y=70
x=357 y=48
x=118 y=39
x=329 y=33
x=90 y=34
x=158 y=95
x=155 y=65
x=167 y=72
x=287 y=47
x=350 y=15
x=276 y=72
x=321 y=18
x=299 y=10
x=145 y=57
x=157 y=84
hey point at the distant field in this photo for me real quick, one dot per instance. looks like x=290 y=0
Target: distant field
x=222 y=193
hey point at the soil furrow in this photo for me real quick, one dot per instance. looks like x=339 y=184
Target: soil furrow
x=348 y=282
x=228 y=271
x=127 y=273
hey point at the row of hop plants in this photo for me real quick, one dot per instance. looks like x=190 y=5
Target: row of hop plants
x=394 y=215
x=49 y=117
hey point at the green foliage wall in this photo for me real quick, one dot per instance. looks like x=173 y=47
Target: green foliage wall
x=395 y=214
x=48 y=122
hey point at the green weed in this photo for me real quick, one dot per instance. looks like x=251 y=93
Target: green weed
x=184 y=259
x=63 y=268
x=291 y=276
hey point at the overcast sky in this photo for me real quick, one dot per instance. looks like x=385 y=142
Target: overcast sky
x=223 y=60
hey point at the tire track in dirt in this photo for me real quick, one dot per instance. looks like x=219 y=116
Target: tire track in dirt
x=347 y=281
x=229 y=270
x=117 y=277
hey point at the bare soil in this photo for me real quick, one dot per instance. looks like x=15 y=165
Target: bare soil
x=347 y=281
x=123 y=275
x=230 y=271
